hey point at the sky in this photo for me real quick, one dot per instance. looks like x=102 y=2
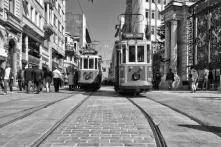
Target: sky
x=101 y=18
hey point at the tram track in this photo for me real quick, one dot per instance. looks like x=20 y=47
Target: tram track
x=42 y=138
x=160 y=141
x=27 y=112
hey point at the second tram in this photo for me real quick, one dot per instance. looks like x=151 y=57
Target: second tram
x=90 y=74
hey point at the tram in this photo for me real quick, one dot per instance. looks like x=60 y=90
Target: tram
x=131 y=65
x=90 y=74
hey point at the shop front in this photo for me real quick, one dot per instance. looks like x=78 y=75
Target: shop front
x=207 y=19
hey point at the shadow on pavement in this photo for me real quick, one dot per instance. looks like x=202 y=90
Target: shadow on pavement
x=213 y=129
x=215 y=98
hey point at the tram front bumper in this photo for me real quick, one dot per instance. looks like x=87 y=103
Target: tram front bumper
x=135 y=87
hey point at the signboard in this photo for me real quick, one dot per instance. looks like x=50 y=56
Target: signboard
x=132 y=36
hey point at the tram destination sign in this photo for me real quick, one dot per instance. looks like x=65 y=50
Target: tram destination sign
x=88 y=51
x=132 y=36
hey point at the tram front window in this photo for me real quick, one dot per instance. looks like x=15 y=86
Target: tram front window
x=140 y=53
x=148 y=53
x=131 y=53
x=124 y=54
x=95 y=63
x=85 y=63
x=91 y=63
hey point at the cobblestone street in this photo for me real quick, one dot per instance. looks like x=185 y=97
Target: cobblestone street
x=104 y=121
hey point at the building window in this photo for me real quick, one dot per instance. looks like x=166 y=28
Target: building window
x=32 y=14
x=36 y=18
x=146 y=0
x=152 y=29
x=12 y=6
x=55 y=19
x=153 y=1
x=147 y=14
x=39 y=23
x=152 y=15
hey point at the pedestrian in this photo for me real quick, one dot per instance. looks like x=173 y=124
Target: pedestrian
x=194 y=79
x=28 y=76
x=210 y=78
x=205 y=79
x=8 y=78
x=157 y=79
x=75 y=78
x=57 y=77
x=2 y=75
x=20 y=78
x=71 y=81
x=38 y=79
x=48 y=75
x=176 y=81
x=170 y=79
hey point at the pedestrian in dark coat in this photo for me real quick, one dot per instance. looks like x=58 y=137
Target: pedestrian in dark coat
x=2 y=75
x=38 y=79
x=20 y=78
x=170 y=79
x=29 y=76
x=48 y=75
x=157 y=79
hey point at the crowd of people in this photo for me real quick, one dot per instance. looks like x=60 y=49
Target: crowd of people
x=33 y=79
x=173 y=80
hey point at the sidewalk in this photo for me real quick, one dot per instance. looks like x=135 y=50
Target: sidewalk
x=203 y=107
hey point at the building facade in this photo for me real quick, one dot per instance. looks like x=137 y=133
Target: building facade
x=71 y=52
x=55 y=26
x=76 y=27
x=205 y=40
x=11 y=33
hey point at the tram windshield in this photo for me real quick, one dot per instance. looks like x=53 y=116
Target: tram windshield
x=131 y=53
x=89 y=63
x=140 y=53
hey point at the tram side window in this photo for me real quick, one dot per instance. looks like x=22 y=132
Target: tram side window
x=148 y=53
x=85 y=63
x=91 y=63
x=140 y=53
x=81 y=63
x=95 y=63
x=131 y=53
x=124 y=53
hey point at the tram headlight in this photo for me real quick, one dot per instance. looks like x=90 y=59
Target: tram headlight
x=136 y=76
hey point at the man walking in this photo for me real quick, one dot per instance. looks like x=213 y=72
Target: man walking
x=57 y=76
x=38 y=77
x=28 y=75
x=48 y=75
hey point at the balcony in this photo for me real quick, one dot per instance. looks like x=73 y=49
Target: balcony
x=13 y=21
x=48 y=31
